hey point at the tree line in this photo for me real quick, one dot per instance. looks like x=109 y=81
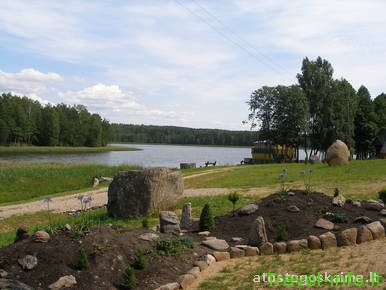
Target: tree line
x=317 y=111
x=128 y=133
x=25 y=121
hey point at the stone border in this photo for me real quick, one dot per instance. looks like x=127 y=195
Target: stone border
x=348 y=237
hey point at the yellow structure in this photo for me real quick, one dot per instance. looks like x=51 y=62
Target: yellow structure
x=266 y=152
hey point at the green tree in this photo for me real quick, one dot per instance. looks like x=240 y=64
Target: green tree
x=4 y=132
x=365 y=124
x=380 y=110
x=50 y=127
x=206 y=219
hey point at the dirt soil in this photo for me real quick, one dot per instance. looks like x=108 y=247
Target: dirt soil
x=110 y=250
x=299 y=225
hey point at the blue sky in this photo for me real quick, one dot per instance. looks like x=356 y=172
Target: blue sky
x=188 y=63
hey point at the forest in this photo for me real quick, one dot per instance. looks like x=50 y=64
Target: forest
x=125 y=133
x=26 y=122
x=318 y=110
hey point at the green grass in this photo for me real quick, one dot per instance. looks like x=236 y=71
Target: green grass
x=18 y=150
x=28 y=181
x=359 y=178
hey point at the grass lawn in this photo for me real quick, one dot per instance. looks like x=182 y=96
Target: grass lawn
x=360 y=178
x=27 y=181
x=17 y=150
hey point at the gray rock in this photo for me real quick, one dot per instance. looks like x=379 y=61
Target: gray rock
x=314 y=159
x=372 y=205
x=328 y=240
x=11 y=284
x=337 y=154
x=169 y=222
x=221 y=256
x=28 y=262
x=170 y=286
x=291 y=193
x=347 y=237
x=41 y=237
x=63 y=282
x=216 y=244
x=209 y=259
x=383 y=212
x=314 y=242
x=143 y=192
x=280 y=247
x=248 y=209
x=377 y=230
x=186 y=218
x=339 y=200
x=266 y=249
x=251 y=251
x=257 y=233
x=185 y=280
x=149 y=237
x=383 y=222
x=364 y=235
x=324 y=224
x=296 y=245
x=3 y=273
x=195 y=271
x=357 y=203
x=204 y=233
x=201 y=264
x=236 y=252
x=293 y=208
x=362 y=220
x=237 y=239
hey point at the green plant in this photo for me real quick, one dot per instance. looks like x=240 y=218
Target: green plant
x=338 y=217
x=307 y=180
x=281 y=233
x=140 y=261
x=206 y=219
x=336 y=192
x=168 y=247
x=129 y=278
x=145 y=222
x=282 y=177
x=83 y=262
x=233 y=197
x=382 y=195
x=187 y=242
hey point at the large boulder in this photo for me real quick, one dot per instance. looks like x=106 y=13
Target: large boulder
x=257 y=232
x=169 y=222
x=141 y=192
x=337 y=154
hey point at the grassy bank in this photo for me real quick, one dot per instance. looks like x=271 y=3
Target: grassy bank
x=359 y=178
x=27 y=181
x=19 y=150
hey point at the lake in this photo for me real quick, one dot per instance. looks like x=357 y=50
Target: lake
x=150 y=156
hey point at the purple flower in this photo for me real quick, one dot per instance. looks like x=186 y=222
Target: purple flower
x=80 y=197
x=302 y=172
x=310 y=170
x=281 y=176
x=284 y=170
x=87 y=199
x=47 y=200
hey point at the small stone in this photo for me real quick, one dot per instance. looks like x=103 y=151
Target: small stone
x=63 y=282
x=210 y=238
x=201 y=264
x=236 y=253
x=221 y=256
x=149 y=237
x=185 y=280
x=372 y=205
x=293 y=208
x=169 y=222
x=280 y=247
x=383 y=212
x=291 y=193
x=248 y=209
x=236 y=239
x=339 y=200
x=377 y=230
x=296 y=245
x=3 y=273
x=324 y=224
x=347 y=237
x=216 y=244
x=12 y=284
x=356 y=203
x=314 y=242
x=28 y=262
x=266 y=249
x=67 y=227
x=209 y=259
x=364 y=235
x=195 y=271
x=204 y=233
x=41 y=237
x=251 y=251
x=21 y=234
x=170 y=286
x=328 y=240
x=362 y=220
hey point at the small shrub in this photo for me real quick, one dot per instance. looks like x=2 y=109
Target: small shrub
x=187 y=242
x=140 y=261
x=336 y=192
x=129 y=278
x=169 y=247
x=338 y=217
x=206 y=219
x=281 y=233
x=233 y=197
x=145 y=222
x=83 y=262
x=382 y=195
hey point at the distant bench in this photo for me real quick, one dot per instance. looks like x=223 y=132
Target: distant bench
x=207 y=163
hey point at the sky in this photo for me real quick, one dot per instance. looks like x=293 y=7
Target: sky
x=191 y=63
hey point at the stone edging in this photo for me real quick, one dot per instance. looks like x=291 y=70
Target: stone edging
x=348 y=237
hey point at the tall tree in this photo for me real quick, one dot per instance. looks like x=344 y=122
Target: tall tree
x=380 y=110
x=50 y=127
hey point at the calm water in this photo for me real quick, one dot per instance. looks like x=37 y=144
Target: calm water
x=150 y=156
